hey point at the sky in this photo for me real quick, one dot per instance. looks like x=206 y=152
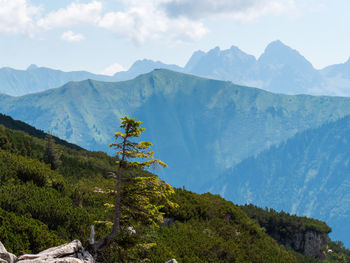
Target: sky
x=106 y=36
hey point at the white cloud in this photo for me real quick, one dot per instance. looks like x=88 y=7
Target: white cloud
x=136 y=20
x=69 y=36
x=112 y=69
x=242 y=10
x=17 y=16
x=143 y=21
x=139 y=21
x=73 y=15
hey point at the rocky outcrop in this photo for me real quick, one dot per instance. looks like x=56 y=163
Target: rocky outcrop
x=72 y=252
x=308 y=242
x=315 y=243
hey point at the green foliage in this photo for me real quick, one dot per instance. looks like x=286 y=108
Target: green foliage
x=19 y=143
x=12 y=124
x=136 y=195
x=36 y=200
x=337 y=252
x=22 y=234
x=40 y=208
x=211 y=229
x=51 y=155
x=144 y=195
x=23 y=169
x=128 y=150
x=286 y=226
x=46 y=205
x=282 y=223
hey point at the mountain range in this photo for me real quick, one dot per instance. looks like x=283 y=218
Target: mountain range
x=279 y=69
x=200 y=126
x=206 y=129
x=215 y=135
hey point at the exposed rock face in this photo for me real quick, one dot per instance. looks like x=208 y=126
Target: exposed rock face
x=314 y=242
x=68 y=253
x=5 y=256
x=308 y=242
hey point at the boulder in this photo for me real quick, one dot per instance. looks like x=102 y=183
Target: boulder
x=172 y=261
x=6 y=257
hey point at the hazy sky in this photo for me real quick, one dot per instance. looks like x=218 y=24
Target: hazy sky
x=109 y=35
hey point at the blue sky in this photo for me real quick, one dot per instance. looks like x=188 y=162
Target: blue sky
x=109 y=35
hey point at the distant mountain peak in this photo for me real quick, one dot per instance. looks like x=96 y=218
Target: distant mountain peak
x=278 y=53
x=150 y=65
x=146 y=60
x=196 y=56
x=235 y=49
x=32 y=67
x=215 y=50
x=277 y=43
x=198 y=52
x=277 y=47
x=144 y=64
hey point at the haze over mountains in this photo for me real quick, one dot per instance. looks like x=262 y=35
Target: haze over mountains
x=279 y=69
x=309 y=175
x=200 y=127
x=36 y=79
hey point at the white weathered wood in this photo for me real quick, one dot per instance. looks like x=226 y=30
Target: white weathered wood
x=72 y=252
x=5 y=256
x=92 y=235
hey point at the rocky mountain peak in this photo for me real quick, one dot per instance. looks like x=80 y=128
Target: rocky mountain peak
x=32 y=67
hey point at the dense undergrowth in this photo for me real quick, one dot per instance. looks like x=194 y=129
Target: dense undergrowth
x=40 y=208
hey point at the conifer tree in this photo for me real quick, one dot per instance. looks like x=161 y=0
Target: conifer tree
x=51 y=154
x=141 y=190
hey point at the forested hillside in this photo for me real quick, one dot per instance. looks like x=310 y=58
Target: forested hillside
x=40 y=207
x=307 y=175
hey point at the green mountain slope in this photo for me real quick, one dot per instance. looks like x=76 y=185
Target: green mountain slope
x=200 y=127
x=308 y=175
x=60 y=205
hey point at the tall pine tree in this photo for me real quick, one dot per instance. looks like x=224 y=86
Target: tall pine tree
x=143 y=192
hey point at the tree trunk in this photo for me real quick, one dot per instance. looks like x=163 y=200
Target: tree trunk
x=116 y=221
